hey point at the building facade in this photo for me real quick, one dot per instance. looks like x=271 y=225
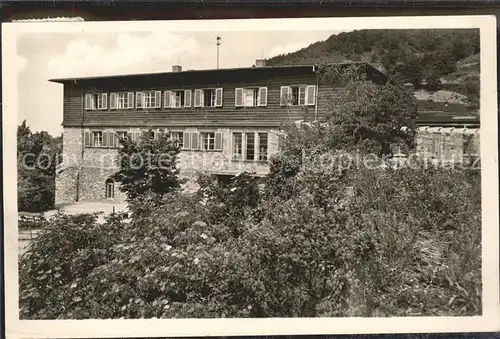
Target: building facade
x=449 y=135
x=227 y=121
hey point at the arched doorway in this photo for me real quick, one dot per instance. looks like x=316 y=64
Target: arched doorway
x=110 y=189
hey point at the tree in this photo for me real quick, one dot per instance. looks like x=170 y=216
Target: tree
x=38 y=155
x=148 y=166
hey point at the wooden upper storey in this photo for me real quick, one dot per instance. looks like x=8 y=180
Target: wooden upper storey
x=208 y=97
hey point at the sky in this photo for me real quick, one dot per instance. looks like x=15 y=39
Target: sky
x=44 y=56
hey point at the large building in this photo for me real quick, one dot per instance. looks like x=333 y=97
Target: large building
x=449 y=132
x=226 y=120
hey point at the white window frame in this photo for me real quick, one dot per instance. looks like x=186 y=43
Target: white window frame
x=173 y=99
x=256 y=96
x=123 y=98
x=259 y=143
x=302 y=97
x=99 y=135
x=213 y=97
x=179 y=136
x=240 y=156
x=210 y=140
x=98 y=101
x=148 y=99
x=256 y=143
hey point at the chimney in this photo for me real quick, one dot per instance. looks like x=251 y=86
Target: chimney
x=176 y=68
x=260 y=63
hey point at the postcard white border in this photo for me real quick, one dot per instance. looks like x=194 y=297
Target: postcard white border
x=489 y=321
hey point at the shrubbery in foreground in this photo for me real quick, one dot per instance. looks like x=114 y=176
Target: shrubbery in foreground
x=406 y=243
x=314 y=241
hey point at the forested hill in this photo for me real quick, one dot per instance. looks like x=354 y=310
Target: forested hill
x=431 y=59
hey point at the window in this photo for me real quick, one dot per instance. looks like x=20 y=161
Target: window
x=251 y=97
x=178 y=99
x=262 y=146
x=471 y=150
x=208 y=97
x=250 y=146
x=96 y=101
x=298 y=95
x=110 y=189
x=208 y=141
x=237 y=146
x=124 y=100
x=121 y=100
x=148 y=99
x=204 y=141
x=122 y=135
x=437 y=145
x=97 y=139
x=179 y=137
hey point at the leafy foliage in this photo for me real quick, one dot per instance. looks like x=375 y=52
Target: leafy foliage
x=38 y=155
x=148 y=166
x=319 y=238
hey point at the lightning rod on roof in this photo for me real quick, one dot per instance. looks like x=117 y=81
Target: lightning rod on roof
x=219 y=41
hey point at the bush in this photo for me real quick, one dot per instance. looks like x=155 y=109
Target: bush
x=406 y=243
x=58 y=261
x=318 y=240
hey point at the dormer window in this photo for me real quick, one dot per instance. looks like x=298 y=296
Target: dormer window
x=96 y=101
x=250 y=97
x=298 y=95
x=210 y=97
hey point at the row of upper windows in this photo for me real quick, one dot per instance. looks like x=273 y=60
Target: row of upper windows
x=245 y=146
x=303 y=95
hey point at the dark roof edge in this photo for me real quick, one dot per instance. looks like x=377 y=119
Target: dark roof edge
x=293 y=66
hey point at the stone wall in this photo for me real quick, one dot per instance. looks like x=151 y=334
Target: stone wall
x=100 y=163
x=448 y=144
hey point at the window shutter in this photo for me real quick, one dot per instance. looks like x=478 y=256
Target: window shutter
x=218 y=141
x=197 y=98
x=310 y=95
x=186 y=141
x=284 y=95
x=238 y=97
x=114 y=139
x=218 y=97
x=138 y=99
x=157 y=99
x=112 y=101
x=130 y=100
x=87 y=139
x=262 y=96
x=104 y=101
x=166 y=99
x=105 y=139
x=195 y=138
x=88 y=101
x=187 y=98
